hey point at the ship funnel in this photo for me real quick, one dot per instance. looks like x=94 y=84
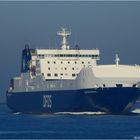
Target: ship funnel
x=64 y=33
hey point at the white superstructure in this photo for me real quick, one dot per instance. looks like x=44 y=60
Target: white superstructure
x=66 y=68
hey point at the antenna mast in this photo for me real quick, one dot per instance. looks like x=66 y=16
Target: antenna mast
x=117 y=59
x=64 y=33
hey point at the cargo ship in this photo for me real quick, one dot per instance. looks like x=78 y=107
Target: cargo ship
x=68 y=79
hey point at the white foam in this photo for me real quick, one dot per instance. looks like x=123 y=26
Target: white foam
x=17 y=113
x=136 y=111
x=81 y=113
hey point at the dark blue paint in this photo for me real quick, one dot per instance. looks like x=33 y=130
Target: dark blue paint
x=112 y=100
x=26 y=57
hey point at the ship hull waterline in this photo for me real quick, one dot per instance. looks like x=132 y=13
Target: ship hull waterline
x=110 y=100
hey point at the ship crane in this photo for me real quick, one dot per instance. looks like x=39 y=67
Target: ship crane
x=64 y=33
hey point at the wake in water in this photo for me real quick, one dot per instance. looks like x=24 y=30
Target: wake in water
x=136 y=111
x=17 y=113
x=81 y=113
x=64 y=113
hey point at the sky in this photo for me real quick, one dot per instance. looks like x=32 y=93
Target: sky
x=112 y=27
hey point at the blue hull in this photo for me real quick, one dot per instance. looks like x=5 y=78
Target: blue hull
x=111 y=100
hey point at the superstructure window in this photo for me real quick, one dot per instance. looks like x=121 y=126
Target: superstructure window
x=119 y=85
x=134 y=85
x=48 y=74
x=41 y=56
x=94 y=56
x=56 y=75
x=73 y=75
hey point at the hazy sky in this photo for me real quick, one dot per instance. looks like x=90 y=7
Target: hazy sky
x=113 y=27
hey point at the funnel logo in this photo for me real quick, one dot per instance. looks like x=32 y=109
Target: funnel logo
x=47 y=101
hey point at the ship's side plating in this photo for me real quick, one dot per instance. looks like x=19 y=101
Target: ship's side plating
x=69 y=80
x=69 y=95
x=111 y=100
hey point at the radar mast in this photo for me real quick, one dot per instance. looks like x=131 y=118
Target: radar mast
x=64 y=33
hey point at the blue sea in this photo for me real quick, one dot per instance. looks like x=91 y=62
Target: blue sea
x=68 y=126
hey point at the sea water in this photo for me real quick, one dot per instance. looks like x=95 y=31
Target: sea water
x=68 y=126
